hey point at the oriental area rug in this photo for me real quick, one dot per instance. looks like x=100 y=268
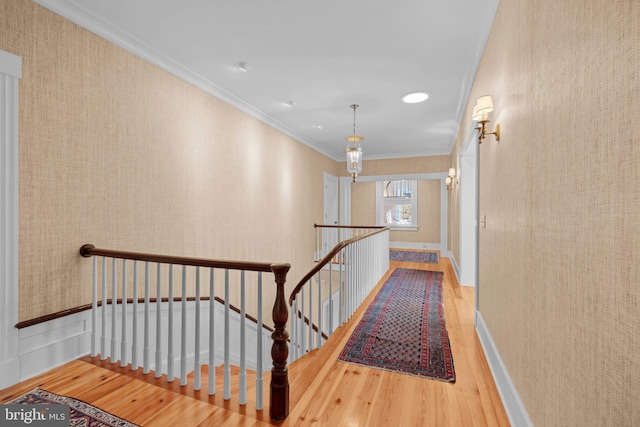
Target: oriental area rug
x=403 y=329
x=412 y=256
x=79 y=413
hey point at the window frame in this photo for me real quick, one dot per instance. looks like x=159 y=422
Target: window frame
x=380 y=202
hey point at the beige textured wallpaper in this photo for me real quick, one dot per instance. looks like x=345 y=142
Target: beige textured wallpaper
x=118 y=153
x=559 y=271
x=363 y=203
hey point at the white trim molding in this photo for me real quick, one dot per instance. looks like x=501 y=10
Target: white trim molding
x=444 y=207
x=513 y=405
x=10 y=73
x=454 y=264
x=418 y=245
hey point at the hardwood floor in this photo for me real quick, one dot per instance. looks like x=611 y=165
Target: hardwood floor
x=324 y=392
x=342 y=394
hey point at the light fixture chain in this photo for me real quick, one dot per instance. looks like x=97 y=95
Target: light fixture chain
x=354 y=106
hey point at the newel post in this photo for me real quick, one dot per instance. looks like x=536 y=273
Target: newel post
x=279 y=398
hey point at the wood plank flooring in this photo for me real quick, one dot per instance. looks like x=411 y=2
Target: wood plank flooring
x=324 y=392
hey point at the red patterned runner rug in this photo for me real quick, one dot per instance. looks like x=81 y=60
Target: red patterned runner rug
x=403 y=329
x=413 y=256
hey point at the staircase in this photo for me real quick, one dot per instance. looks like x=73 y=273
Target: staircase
x=185 y=333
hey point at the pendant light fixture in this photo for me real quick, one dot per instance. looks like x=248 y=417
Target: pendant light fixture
x=354 y=151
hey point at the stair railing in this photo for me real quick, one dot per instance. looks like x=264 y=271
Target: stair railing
x=328 y=236
x=195 y=334
x=329 y=294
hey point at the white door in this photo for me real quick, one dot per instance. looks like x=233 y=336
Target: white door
x=468 y=210
x=10 y=73
x=330 y=235
x=330 y=199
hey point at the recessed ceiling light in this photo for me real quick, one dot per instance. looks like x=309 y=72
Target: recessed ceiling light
x=415 y=97
x=319 y=126
x=243 y=66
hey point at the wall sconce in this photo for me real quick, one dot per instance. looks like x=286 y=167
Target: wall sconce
x=452 y=179
x=481 y=115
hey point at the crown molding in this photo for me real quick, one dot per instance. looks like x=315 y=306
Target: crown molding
x=403 y=155
x=465 y=89
x=77 y=14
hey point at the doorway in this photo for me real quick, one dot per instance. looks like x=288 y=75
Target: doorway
x=330 y=236
x=468 y=210
x=330 y=199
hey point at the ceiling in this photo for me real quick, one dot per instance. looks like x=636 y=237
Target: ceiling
x=320 y=56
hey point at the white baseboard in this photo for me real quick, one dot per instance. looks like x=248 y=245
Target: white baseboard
x=454 y=264
x=514 y=407
x=417 y=245
x=9 y=373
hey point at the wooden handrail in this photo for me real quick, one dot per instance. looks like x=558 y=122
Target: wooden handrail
x=332 y=253
x=89 y=250
x=347 y=226
x=87 y=307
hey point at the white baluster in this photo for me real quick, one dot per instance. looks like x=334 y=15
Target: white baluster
x=351 y=280
x=183 y=329
x=311 y=315
x=94 y=307
x=259 y=379
x=300 y=326
x=357 y=270
x=196 y=356
x=353 y=277
x=347 y=282
x=114 y=306
x=103 y=336
x=319 y=280
x=363 y=284
x=123 y=338
x=146 y=349
x=303 y=339
x=170 y=355
x=293 y=343
x=158 y=369
x=330 y=298
x=354 y=267
x=212 y=336
x=134 y=332
x=292 y=338
x=370 y=268
x=243 y=349
x=227 y=365
x=341 y=306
